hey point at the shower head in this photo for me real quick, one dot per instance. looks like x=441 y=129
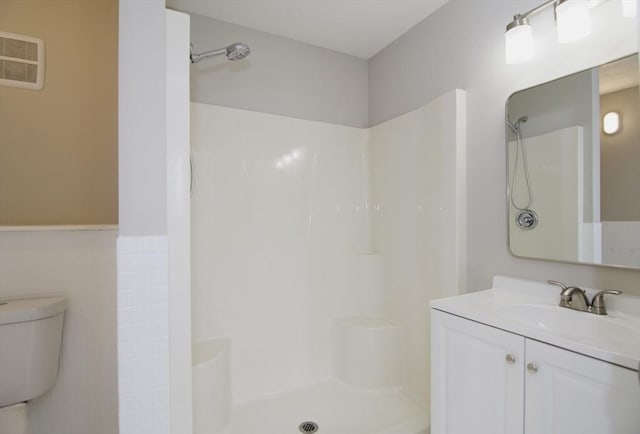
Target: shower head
x=235 y=51
x=238 y=51
x=516 y=127
x=520 y=120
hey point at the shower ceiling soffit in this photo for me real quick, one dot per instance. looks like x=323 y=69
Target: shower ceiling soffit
x=359 y=28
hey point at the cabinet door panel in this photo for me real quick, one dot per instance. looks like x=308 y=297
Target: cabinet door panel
x=474 y=389
x=575 y=394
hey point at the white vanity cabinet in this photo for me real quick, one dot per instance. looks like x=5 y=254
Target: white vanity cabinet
x=477 y=383
x=489 y=381
x=567 y=392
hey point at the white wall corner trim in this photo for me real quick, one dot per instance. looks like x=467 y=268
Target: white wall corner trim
x=461 y=189
x=179 y=221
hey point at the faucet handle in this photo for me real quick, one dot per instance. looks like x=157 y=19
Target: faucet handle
x=557 y=283
x=597 y=303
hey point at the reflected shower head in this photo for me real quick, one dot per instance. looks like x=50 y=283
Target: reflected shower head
x=522 y=119
x=235 y=51
x=516 y=127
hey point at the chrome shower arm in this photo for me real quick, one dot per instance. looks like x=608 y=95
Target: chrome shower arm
x=196 y=57
x=235 y=51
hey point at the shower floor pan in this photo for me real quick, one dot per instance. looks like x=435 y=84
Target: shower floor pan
x=336 y=409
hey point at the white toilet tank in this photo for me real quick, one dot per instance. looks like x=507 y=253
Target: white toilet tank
x=30 y=340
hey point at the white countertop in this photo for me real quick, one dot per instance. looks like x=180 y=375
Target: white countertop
x=530 y=308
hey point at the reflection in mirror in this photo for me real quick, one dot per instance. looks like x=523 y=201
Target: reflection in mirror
x=573 y=182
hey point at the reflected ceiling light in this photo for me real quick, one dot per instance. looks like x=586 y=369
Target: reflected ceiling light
x=629 y=8
x=611 y=123
x=572 y=19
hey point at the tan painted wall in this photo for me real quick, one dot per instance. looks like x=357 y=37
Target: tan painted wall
x=620 y=158
x=58 y=146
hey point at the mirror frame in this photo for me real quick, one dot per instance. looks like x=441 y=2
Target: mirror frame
x=507 y=174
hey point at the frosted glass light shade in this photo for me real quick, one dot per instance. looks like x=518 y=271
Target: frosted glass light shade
x=518 y=43
x=629 y=8
x=573 y=20
x=611 y=123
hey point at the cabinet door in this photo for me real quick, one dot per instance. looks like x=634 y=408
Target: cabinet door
x=477 y=378
x=568 y=393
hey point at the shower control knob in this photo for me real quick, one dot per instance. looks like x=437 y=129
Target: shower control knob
x=527 y=219
x=510 y=358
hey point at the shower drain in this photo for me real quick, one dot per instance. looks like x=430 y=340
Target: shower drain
x=308 y=427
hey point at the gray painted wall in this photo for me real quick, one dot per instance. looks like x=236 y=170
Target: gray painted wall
x=142 y=156
x=556 y=105
x=620 y=158
x=281 y=76
x=462 y=46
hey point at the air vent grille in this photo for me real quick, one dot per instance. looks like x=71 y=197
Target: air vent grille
x=21 y=61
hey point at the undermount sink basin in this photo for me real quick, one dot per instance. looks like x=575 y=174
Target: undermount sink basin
x=581 y=326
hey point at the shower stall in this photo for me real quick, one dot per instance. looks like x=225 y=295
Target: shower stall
x=315 y=249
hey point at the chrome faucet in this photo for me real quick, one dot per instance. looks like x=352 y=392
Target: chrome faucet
x=576 y=298
x=597 y=304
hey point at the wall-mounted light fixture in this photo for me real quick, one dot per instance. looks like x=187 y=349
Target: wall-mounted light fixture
x=611 y=123
x=518 y=40
x=572 y=21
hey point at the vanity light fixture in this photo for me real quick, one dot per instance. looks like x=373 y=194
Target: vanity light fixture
x=518 y=40
x=572 y=22
x=611 y=123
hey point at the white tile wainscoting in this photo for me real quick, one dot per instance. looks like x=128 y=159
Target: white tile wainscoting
x=143 y=335
x=80 y=265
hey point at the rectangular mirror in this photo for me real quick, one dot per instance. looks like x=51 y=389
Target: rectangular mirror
x=573 y=167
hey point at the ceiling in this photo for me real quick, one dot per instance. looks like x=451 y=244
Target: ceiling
x=359 y=28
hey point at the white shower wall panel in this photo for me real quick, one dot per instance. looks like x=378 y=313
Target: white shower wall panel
x=556 y=169
x=419 y=198
x=281 y=242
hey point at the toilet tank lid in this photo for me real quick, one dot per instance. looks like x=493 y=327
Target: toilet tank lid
x=30 y=309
